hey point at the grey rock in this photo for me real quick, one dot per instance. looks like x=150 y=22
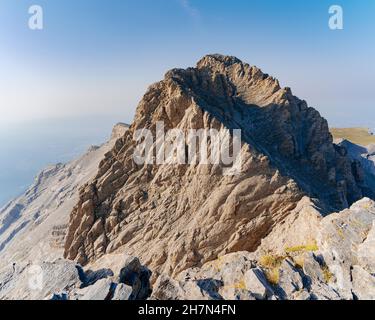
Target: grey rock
x=39 y=282
x=312 y=268
x=90 y=277
x=290 y=281
x=321 y=291
x=132 y=267
x=231 y=293
x=101 y=290
x=210 y=288
x=257 y=284
x=366 y=252
x=340 y=237
x=363 y=284
x=60 y=297
x=301 y=295
x=166 y=288
x=137 y=276
x=122 y=292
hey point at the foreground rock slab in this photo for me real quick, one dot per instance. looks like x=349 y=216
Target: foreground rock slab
x=65 y=280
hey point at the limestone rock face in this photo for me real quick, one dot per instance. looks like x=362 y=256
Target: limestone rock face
x=178 y=216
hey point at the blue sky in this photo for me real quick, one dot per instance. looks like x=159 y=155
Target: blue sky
x=97 y=57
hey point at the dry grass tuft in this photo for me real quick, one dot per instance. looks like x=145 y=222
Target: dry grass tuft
x=271 y=264
x=273 y=276
x=327 y=274
x=304 y=248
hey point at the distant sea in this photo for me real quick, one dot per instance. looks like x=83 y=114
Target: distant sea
x=27 y=148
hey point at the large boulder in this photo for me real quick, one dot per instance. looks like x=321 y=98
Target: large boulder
x=290 y=280
x=101 y=290
x=343 y=239
x=38 y=282
x=138 y=277
x=363 y=284
x=257 y=284
x=65 y=280
x=166 y=288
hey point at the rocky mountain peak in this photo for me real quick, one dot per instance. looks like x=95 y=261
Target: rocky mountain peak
x=232 y=73
x=212 y=60
x=179 y=216
x=241 y=96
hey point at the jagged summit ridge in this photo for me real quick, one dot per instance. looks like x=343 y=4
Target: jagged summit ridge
x=227 y=60
x=175 y=217
x=234 y=69
x=242 y=96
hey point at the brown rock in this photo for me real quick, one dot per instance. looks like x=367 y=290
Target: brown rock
x=178 y=216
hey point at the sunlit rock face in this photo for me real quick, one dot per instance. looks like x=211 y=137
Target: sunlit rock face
x=178 y=216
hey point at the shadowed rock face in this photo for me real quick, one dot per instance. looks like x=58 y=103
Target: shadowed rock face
x=176 y=217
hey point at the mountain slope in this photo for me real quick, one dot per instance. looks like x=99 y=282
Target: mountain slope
x=33 y=226
x=179 y=216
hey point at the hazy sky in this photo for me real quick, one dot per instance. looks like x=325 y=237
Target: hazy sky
x=98 y=56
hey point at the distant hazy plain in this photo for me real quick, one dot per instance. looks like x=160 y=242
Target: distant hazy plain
x=27 y=148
